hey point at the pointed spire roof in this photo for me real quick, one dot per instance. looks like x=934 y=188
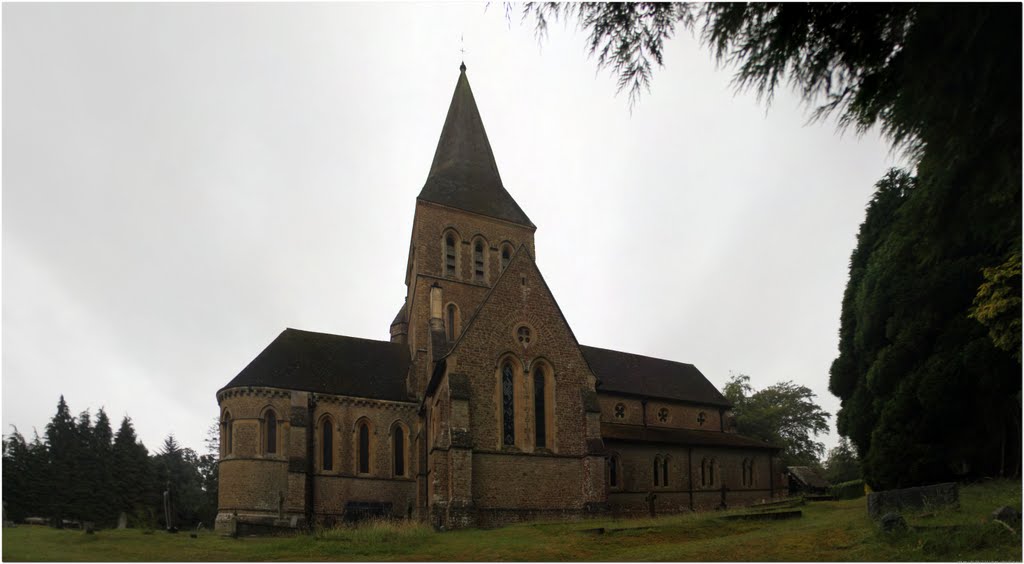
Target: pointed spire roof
x=464 y=174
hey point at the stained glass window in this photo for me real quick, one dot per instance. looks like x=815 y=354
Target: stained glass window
x=538 y=407
x=506 y=255
x=523 y=334
x=399 y=444
x=227 y=433
x=271 y=421
x=327 y=435
x=508 y=418
x=364 y=448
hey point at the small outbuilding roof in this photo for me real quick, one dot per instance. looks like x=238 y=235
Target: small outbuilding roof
x=808 y=476
x=329 y=364
x=652 y=377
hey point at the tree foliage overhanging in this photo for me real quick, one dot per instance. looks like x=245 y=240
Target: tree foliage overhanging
x=82 y=471
x=929 y=356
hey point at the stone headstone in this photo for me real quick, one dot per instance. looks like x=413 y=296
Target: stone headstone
x=914 y=499
x=1007 y=515
x=122 y=521
x=892 y=522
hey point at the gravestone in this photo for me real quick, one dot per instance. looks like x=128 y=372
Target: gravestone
x=1007 y=515
x=122 y=520
x=651 y=496
x=169 y=510
x=892 y=522
x=916 y=499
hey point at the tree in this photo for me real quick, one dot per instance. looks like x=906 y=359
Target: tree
x=209 y=474
x=180 y=468
x=842 y=464
x=24 y=475
x=62 y=440
x=783 y=414
x=134 y=480
x=927 y=394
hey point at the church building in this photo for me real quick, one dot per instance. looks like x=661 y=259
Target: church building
x=482 y=409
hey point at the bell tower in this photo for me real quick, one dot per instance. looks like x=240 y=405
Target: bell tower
x=465 y=230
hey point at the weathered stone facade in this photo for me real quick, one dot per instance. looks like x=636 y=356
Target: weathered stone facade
x=483 y=409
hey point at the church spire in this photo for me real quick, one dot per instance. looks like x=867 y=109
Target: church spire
x=464 y=174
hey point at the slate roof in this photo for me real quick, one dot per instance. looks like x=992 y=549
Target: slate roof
x=464 y=174
x=633 y=433
x=651 y=377
x=331 y=364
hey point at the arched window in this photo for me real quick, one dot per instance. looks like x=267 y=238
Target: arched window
x=398 y=447
x=508 y=416
x=364 y=448
x=711 y=472
x=452 y=319
x=226 y=432
x=326 y=444
x=704 y=472
x=478 y=261
x=270 y=431
x=506 y=256
x=657 y=469
x=613 y=471
x=449 y=255
x=664 y=471
x=538 y=407
x=748 y=472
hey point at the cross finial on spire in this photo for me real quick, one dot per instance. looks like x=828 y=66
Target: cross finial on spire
x=462 y=49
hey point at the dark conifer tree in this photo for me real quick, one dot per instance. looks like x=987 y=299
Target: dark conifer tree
x=62 y=440
x=133 y=479
x=102 y=443
x=16 y=474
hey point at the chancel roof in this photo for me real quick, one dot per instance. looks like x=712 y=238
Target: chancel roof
x=464 y=174
x=653 y=377
x=329 y=364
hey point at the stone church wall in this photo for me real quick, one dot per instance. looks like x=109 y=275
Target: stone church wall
x=636 y=478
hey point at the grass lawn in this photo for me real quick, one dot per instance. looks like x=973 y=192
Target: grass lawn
x=828 y=531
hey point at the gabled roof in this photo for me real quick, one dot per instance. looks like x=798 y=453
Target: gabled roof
x=651 y=377
x=464 y=174
x=691 y=437
x=330 y=364
x=808 y=476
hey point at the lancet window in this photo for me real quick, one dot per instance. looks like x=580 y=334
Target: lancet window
x=327 y=444
x=270 y=432
x=508 y=416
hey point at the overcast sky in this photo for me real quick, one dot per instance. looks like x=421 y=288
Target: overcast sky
x=181 y=182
